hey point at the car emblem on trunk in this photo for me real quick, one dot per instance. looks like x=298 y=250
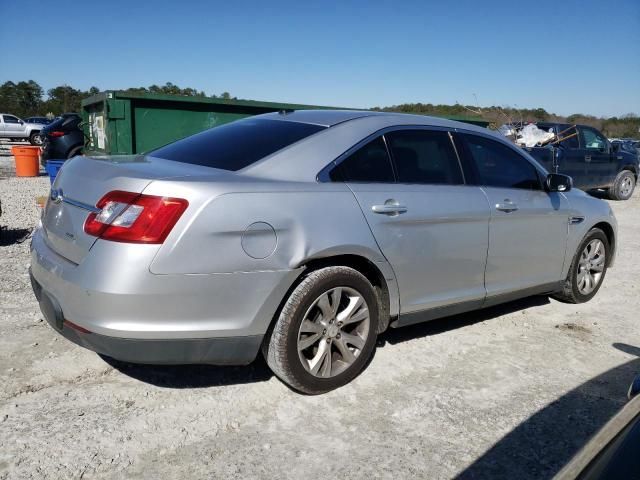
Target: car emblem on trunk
x=56 y=195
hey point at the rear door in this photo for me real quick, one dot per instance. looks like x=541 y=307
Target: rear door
x=528 y=226
x=570 y=157
x=431 y=227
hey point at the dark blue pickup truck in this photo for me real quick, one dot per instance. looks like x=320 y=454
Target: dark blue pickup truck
x=590 y=159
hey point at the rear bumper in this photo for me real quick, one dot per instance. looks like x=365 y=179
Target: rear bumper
x=215 y=351
x=115 y=306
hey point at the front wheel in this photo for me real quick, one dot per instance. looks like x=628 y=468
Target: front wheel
x=326 y=331
x=587 y=270
x=623 y=186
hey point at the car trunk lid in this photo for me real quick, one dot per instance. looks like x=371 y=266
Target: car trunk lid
x=83 y=181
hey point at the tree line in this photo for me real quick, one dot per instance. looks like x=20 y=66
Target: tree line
x=613 y=127
x=27 y=98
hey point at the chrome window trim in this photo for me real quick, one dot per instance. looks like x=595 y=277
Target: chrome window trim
x=323 y=175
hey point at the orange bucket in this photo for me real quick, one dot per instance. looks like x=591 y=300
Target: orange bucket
x=27 y=161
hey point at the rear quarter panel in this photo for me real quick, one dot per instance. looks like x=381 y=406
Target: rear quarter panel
x=290 y=224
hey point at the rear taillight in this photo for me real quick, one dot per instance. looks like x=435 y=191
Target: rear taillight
x=57 y=133
x=134 y=218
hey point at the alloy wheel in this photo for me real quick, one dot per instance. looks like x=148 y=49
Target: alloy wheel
x=626 y=186
x=333 y=332
x=591 y=266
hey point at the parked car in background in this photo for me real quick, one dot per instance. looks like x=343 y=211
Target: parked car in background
x=630 y=146
x=39 y=120
x=63 y=138
x=590 y=160
x=333 y=225
x=14 y=128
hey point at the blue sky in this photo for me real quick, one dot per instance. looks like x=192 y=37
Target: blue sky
x=567 y=57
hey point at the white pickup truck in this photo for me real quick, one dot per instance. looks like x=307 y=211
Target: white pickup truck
x=12 y=127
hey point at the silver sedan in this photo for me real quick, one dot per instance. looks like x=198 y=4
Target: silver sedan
x=305 y=235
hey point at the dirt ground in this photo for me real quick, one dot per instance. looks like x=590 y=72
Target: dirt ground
x=510 y=392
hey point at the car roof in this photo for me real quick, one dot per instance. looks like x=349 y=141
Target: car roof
x=325 y=118
x=330 y=118
x=302 y=160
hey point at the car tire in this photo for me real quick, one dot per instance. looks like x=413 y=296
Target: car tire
x=584 y=268
x=623 y=186
x=35 y=139
x=312 y=358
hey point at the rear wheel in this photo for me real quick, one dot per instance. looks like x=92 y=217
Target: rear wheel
x=35 y=138
x=588 y=269
x=623 y=186
x=326 y=331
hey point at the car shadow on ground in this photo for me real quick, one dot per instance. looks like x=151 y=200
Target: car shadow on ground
x=536 y=449
x=541 y=445
x=10 y=236
x=193 y=376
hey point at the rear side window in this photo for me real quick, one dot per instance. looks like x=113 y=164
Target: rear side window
x=570 y=133
x=368 y=164
x=497 y=165
x=236 y=145
x=423 y=156
x=69 y=121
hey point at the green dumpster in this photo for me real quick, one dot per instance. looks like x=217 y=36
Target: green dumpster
x=117 y=122
x=121 y=123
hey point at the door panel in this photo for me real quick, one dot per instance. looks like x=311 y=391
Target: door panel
x=12 y=126
x=434 y=236
x=528 y=226
x=527 y=239
x=601 y=168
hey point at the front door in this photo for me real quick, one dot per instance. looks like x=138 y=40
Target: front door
x=431 y=227
x=601 y=167
x=528 y=226
x=12 y=126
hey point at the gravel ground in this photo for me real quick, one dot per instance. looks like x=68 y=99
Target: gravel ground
x=510 y=392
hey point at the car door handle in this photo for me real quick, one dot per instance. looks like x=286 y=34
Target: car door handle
x=389 y=208
x=507 y=206
x=587 y=158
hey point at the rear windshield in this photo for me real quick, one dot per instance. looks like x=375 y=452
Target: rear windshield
x=236 y=145
x=64 y=122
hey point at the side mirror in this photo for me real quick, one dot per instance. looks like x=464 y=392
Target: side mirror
x=21 y=122
x=556 y=182
x=615 y=147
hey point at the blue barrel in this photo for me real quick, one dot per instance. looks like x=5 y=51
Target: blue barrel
x=52 y=168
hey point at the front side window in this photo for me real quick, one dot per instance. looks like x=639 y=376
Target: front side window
x=236 y=145
x=424 y=156
x=498 y=165
x=10 y=119
x=369 y=164
x=592 y=140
